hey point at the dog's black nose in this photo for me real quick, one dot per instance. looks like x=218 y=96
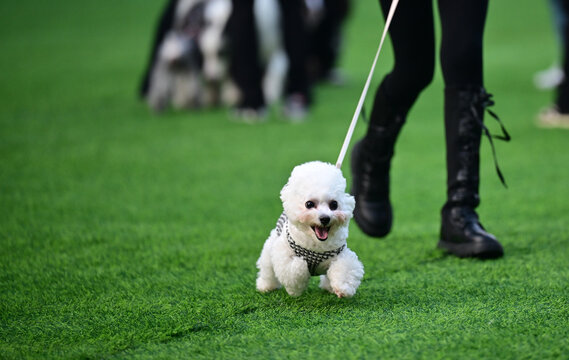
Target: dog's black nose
x=324 y=220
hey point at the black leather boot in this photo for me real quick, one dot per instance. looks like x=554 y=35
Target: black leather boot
x=371 y=160
x=461 y=232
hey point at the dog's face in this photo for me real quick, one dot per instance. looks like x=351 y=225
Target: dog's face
x=315 y=201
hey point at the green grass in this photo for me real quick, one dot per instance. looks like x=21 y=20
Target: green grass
x=128 y=235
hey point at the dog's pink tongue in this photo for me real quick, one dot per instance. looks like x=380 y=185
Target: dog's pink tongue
x=321 y=232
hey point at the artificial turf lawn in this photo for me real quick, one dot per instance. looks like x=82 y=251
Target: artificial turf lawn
x=129 y=235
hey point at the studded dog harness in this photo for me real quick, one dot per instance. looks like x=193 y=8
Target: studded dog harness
x=312 y=258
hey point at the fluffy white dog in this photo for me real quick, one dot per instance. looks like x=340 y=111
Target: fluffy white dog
x=310 y=236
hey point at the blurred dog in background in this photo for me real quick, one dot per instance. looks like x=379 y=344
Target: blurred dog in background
x=189 y=70
x=189 y=64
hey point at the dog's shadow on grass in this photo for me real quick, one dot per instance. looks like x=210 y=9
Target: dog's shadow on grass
x=372 y=294
x=313 y=298
x=317 y=301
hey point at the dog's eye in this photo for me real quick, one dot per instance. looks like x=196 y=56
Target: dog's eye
x=309 y=204
x=333 y=205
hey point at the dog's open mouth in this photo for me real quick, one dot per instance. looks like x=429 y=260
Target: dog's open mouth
x=321 y=232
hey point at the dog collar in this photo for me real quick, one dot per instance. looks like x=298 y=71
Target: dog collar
x=312 y=258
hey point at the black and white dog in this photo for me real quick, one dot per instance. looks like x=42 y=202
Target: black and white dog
x=189 y=68
x=190 y=61
x=186 y=69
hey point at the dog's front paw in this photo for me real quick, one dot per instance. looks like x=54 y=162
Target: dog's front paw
x=294 y=292
x=266 y=285
x=295 y=280
x=343 y=291
x=345 y=274
x=325 y=284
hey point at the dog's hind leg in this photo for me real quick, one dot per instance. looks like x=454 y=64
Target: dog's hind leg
x=266 y=279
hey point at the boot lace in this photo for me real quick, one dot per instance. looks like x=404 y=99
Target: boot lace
x=484 y=101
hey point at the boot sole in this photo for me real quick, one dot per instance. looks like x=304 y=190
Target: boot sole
x=367 y=227
x=478 y=250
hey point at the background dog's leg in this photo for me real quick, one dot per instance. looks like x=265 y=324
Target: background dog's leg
x=159 y=91
x=275 y=76
x=187 y=90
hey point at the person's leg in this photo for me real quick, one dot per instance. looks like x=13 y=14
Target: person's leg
x=557 y=116
x=244 y=65
x=562 y=100
x=412 y=37
x=326 y=39
x=297 y=90
x=462 y=23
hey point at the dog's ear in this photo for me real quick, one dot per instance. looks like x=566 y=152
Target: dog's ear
x=349 y=203
x=285 y=191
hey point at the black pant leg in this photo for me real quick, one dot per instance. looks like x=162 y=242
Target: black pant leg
x=245 y=68
x=462 y=23
x=562 y=100
x=295 y=41
x=166 y=23
x=326 y=38
x=413 y=40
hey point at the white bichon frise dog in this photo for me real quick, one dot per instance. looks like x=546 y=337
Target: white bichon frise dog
x=310 y=236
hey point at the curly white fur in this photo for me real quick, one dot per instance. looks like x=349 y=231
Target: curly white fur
x=319 y=212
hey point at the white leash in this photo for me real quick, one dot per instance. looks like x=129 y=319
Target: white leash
x=366 y=87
